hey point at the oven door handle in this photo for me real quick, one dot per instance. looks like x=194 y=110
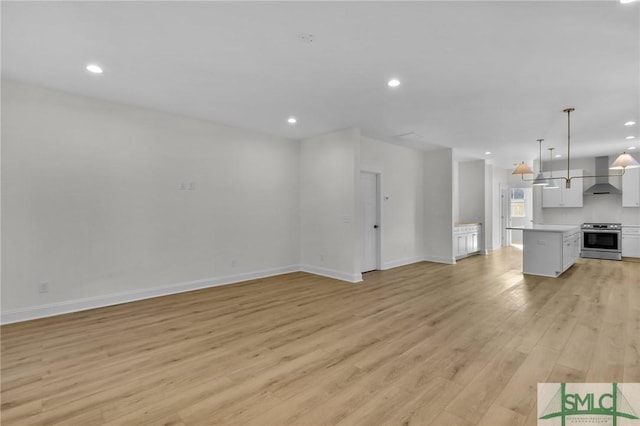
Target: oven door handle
x=602 y=231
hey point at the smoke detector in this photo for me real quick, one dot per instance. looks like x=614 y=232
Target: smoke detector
x=306 y=38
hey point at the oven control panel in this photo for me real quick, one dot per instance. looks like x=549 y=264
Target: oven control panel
x=612 y=226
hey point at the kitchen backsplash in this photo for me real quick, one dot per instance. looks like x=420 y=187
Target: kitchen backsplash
x=596 y=208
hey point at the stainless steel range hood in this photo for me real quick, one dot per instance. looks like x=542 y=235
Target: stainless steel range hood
x=602 y=185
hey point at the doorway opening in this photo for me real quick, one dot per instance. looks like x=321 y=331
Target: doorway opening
x=520 y=212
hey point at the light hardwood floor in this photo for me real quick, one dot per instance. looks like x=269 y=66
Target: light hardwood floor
x=425 y=344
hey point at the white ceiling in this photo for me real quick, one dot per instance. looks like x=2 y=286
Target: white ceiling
x=476 y=76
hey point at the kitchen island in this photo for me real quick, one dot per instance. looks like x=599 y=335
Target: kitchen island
x=549 y=250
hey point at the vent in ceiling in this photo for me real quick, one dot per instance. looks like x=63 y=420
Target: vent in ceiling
x=410 y=137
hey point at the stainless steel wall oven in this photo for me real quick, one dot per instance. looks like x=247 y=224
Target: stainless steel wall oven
x=602 y=241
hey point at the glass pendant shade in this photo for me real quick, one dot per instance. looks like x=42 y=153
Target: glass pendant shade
x=540 y=180
x=522 y=169
x=624 y=161
x=552 y=184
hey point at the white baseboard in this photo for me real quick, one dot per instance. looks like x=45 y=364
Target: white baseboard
x=439 y=259
x=331 y=273
x=25 y=314
x=401 y=262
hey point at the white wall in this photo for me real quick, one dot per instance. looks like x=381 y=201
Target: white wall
x=596 y=208
x=438 y=205
x=330 y=227
x=93 y=206
x=488 y=222
x=402 y=213
x=91 y=200
x=471 y=191
x=456 y=191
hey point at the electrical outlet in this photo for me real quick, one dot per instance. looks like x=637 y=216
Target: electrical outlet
x=43 y=288
x=192 y=186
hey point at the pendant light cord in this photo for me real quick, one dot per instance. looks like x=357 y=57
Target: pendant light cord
x=568 y=111
x=540 y=152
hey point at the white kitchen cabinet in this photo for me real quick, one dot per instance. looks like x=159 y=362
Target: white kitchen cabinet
x=631 y=188
x=630 y=241
x=461 y=245
x=472 y=242
x=466 y=240
x=564 y=197
x=570 y=249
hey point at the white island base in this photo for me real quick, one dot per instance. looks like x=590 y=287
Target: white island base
x=549 y=250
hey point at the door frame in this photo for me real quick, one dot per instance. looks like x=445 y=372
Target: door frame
x=505 y=215
x=377 y=171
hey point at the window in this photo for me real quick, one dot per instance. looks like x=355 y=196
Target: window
x=517 y=209
x=517 y=194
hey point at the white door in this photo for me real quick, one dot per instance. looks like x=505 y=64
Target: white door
x=370 y=224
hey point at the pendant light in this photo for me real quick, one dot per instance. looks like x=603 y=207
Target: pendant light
x=522 y=169
x=623 y=162
x=540 y=180
x=553 y=183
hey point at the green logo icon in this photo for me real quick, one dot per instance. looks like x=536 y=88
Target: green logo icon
x=564 y=404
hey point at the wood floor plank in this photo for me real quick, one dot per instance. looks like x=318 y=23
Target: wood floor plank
x=478 y=395
x=500 y=416
x=607 y=362
x=632 y=348
x=576 y=354
x=519 y=393
x=423 y=344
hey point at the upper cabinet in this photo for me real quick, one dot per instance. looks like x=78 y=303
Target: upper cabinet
x=631 y=188
x=564 y=197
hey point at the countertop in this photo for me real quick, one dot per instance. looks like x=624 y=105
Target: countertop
x=545 y=228
x=467 y=223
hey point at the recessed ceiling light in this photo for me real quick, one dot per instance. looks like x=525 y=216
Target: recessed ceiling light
x=292 y=120
x=632 y=148
x=626 y=1
x=94 y=68
x=630 y=137
x=629 y=123
x=394 y=83
x=487 y=153
x=558 y=155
